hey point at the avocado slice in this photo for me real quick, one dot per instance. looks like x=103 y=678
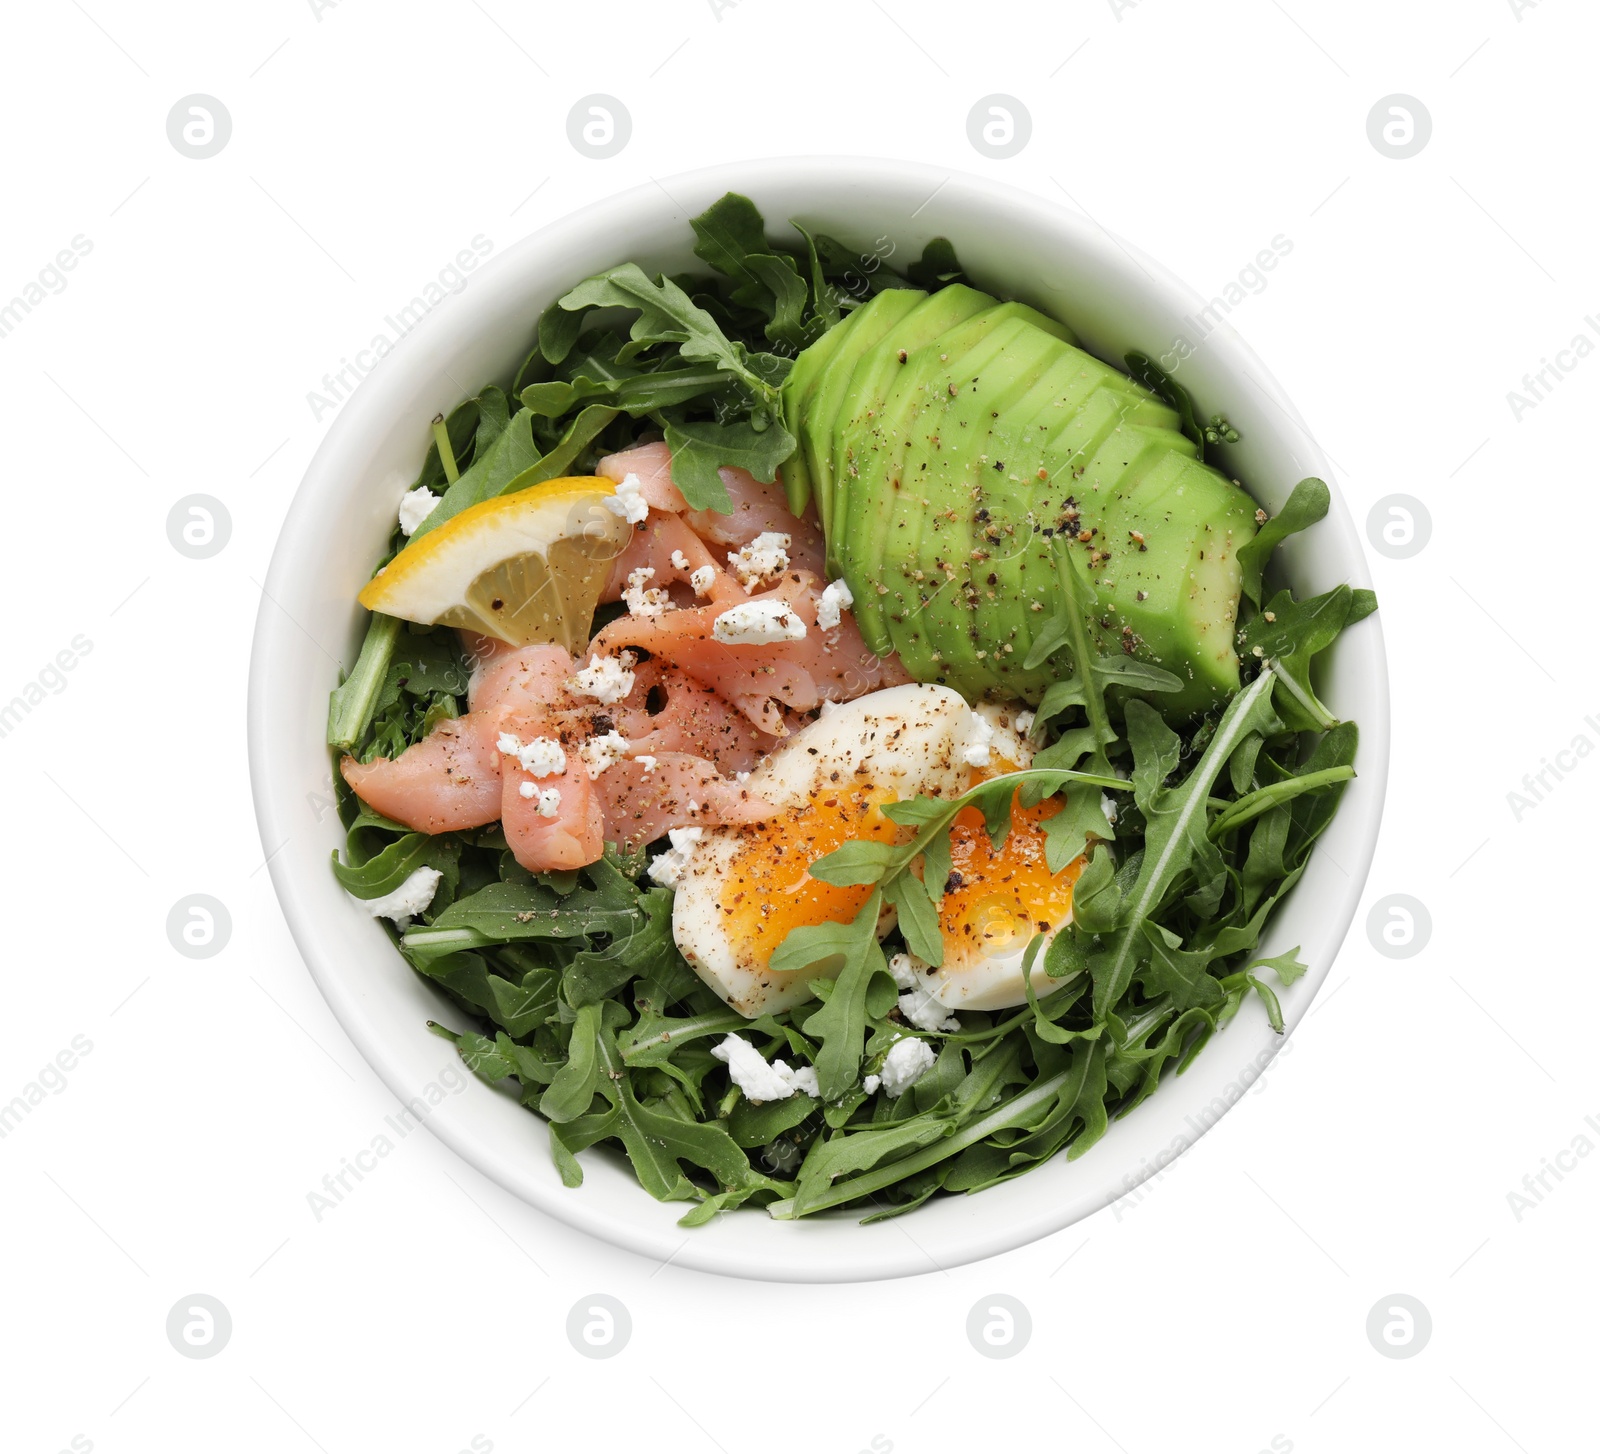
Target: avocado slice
x=877 y=370
x=917 y=543
x=798 y=388
x=820 y=407
x=942 y=501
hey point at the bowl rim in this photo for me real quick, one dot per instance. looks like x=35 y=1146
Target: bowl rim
x=822 y=1254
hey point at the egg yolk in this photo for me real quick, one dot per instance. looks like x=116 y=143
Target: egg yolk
x=994 y=903
x=769 y=889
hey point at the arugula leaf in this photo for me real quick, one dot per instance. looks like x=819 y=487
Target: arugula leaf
x=512 y=452
x=1306 y=506
x=841 y=1023
x=1288 y=634
x=1175 y=821
x=702 y=447
x=668 y=315
x=1166 y=388
x=938 y=266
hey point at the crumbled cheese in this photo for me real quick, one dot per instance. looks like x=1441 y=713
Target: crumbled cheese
x=415 y=507
x=667 y=868
x=906 y=1063
x=543 y=757
x=703 y=579
x=763 y=558
x=918 y=1004
x=756 y=1078
x=906 y=969
x=922 y=1009
x=1024 y=723
x=607 y=679
x=642 y=602
x=1108 y=806
x=758 y=623
x=827 y=707
x=646 y=761
x=679 y=560
x=629 y=502
x=834 y=598
x=976 y=752
x=870 y=1084
x=549 y=798
x=598 y=753
x=741 y=777
x=412 y=897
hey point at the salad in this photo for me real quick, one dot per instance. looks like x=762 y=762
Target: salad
x=832 y=735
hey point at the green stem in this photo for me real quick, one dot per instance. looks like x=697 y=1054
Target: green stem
x=447 y=456
x=868 y=1182
x=1080 y=601
x=351 y=704
x=431 y=943
x=1253 y=805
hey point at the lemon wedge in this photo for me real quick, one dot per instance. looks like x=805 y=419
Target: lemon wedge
x=523 y=568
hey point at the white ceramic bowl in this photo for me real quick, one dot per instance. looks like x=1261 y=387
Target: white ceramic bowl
x=1010 y=242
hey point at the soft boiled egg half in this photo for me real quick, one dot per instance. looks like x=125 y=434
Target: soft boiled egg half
x=740 y=890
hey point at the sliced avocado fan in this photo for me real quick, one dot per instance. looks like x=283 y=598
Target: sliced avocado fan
x=946 y=438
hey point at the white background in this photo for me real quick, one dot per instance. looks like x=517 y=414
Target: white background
x=1226 y=1308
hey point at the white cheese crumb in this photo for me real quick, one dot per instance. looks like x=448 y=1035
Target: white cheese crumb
x=758 y=623
x=702 y=579
x=667 y=868
x=976 y=752
x=679 y=560
x=906 y=1063
x=1108 y=806
x=629 y=502
x=607 y=679
x=415 y=507
x=642 y=602
x=835 y=596
x=646 y=761
x=905 y=968
x=919 y=1004
x=870 y=1084
x=598 y=753
x=549 y=798
x=741 y=777
x=763 y=558
x=412 y=897
x=1024 y=723
x=756 y=1078
x=543 y=757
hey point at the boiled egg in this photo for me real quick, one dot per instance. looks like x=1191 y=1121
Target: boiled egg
x=740 y=890
x=994 y=903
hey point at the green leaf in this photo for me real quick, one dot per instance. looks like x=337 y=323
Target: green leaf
x=918 y=920
x=1160 y=383
x=492 y=474
x=667 y=314
x=573 y=1090
x=1295 y=634
x=841 y=1024
x=482 y=1057
x=1097 y=896
x=1252 y=805
x=558 y=332
x=1307 y=505
x=1176 y=971
x=1175 y=820
x=937 y=267
x=701 y=447
x=1286 y=966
